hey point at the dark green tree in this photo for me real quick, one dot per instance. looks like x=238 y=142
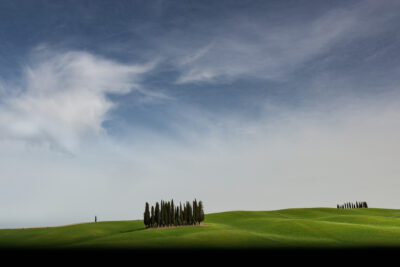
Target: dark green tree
x=157 y=216
x=168 y=215
x=177 y=216
x=190 y=213
x=172 y=213
x=195 y=211
x=152 y=217
x=185 y=214
x=181 y=214
x=201 y=211
x=147 y=215
x=162 y=213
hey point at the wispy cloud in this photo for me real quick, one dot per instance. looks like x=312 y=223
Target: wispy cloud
x=64 y=97
x=250 y=48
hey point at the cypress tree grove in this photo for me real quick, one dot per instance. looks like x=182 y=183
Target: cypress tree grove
x=167 y=214
x=349 y=205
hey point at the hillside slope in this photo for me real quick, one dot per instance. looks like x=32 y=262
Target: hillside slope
x=314 y=227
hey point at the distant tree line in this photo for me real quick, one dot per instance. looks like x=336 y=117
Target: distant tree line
x=350 y=205
x=167 y=214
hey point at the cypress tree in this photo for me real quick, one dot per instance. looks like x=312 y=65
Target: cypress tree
x=152 y=218
x=190 y=213
x=195 y=211
x=157 y=215
x=176 y=216
x=162 y=213
x=172 y=212
x=146 y=215
x=181 y=215
x=201 y=211
x=167 y=213
x=185 y=213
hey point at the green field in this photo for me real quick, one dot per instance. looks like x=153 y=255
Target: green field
x=309 y=228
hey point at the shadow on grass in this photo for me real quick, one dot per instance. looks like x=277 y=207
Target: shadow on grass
x=134 y=230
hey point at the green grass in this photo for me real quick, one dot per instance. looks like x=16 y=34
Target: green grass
x=309 y=228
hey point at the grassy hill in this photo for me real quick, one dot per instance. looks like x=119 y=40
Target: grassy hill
x=315 y=227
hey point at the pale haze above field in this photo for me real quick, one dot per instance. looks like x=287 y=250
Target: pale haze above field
x=245 y=105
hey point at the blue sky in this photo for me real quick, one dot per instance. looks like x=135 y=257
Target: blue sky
x=244 y=104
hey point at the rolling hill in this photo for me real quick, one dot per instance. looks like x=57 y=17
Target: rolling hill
x=289 y=228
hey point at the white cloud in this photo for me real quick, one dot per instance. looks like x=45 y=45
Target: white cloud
x=64 y=98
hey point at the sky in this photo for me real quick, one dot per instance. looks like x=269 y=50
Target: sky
x=245 y=105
